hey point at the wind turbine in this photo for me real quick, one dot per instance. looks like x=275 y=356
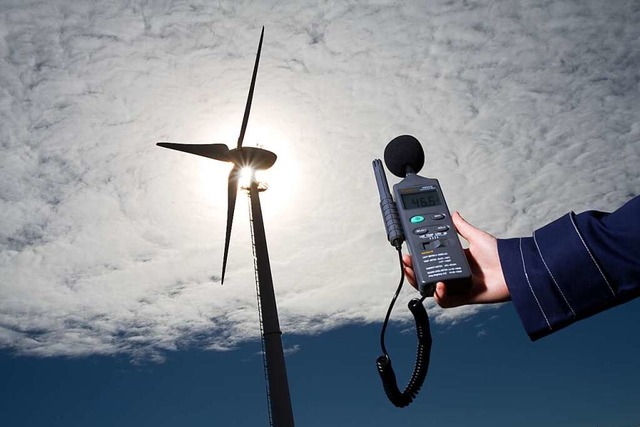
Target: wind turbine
x=279 y=400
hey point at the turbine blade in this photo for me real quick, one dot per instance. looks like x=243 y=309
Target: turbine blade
x=212 y=151
x=234 y=177
x=247 y=108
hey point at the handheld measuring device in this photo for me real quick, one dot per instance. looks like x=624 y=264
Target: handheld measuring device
x=425 y=220
x=420 y=216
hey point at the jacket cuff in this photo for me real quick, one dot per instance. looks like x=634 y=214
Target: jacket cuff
x=553 y=277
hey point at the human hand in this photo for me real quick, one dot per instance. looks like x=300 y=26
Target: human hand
x=487 y=282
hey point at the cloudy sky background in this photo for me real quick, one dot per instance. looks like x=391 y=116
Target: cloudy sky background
x=110 y=245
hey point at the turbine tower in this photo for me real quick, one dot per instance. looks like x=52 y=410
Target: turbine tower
x=279 y=400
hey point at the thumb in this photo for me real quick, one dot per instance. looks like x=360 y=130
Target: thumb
x=466 y=230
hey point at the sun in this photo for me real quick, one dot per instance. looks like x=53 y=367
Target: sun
x=246 y=173
x=282 y=178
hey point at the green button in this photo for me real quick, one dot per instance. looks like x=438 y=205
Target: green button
x=416 y=219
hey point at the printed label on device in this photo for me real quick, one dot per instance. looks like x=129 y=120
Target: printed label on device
x=440 y=264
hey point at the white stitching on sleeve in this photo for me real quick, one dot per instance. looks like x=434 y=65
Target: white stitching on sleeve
x=524 y=268
x=551 y=274
x=592 y=258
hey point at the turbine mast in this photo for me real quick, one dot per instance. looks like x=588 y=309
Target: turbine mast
x=279 y=397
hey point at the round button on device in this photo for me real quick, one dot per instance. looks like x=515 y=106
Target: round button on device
x=417 y=219
x=437 y=216
x=442 y=228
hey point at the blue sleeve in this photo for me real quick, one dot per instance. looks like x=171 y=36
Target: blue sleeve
x=573 y=267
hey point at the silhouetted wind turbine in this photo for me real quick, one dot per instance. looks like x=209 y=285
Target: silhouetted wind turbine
x=280 y=412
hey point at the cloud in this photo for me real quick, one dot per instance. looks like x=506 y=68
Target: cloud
x=110 y=245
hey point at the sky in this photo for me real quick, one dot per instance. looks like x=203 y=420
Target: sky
x=111 y=310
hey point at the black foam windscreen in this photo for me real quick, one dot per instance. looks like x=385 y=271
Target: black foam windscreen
x=404 y=154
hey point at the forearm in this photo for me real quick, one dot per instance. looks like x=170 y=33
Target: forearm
x=574 y=267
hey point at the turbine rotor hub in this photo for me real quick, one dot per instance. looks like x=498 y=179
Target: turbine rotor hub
x=253 y=157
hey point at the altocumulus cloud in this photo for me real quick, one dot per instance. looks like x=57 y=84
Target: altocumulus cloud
x=110 y=245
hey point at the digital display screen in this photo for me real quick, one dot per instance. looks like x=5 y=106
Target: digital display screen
x=423 y=199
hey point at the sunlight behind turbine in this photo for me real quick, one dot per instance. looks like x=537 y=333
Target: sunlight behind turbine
x=246 y=173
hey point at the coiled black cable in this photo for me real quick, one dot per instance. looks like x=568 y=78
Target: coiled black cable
x=383 y=363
